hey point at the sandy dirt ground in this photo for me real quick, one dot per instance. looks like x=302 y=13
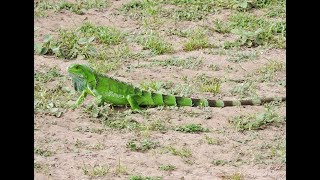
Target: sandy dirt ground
x=77 y=144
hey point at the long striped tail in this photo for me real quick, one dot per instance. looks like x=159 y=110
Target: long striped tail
x=182 y=101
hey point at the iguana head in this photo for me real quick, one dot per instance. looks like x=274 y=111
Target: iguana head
x=82 y=76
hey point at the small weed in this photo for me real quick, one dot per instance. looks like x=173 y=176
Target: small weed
x=167 y=167
x=41 y=168
x=78 y=7
x=247 y=38
x=236 y=176
x=139 y=177
x=207 y=84
x=211 y=140
x=183 y=152
x=179 y=32
x=96 y=147
x=279 y=151
x=83 y=42
x=104 y=66
x=219 y=162
x=191 y=128
x=157 y=125
x=242 y=57
x=277 y=11
x=197 y=40
x=156 y=86
x=188 y=63
x=214 y=67
x=43 y=152
x=258 y=121
x=245 y=89
x=184 y=90
x=155 y=43
x=96 y=111
x=134 y=5
x=103 y=34
x=48 y=76
x=68 y=46
x=52 y=100
x=192 y=10
x=269 y=70
x=80 y=144
x=139 y=9
x=143 y=146
x=254 y=31
x=40 y=7
x=121 y=169
x=95 y=171
x=122 y=123
x=221 y=27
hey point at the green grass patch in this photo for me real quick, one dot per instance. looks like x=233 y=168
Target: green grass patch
x=208 y=84
x=187 y=63
x=43 y=152
x=138 y=9
x=197 y=40
x=246 y=89
x=167 y=167
x=40 y=7
x=211 y=141
x=139 y=177
x=122 y=124
x=78 y=7
x=95 y=171
x=221 y=27
x=214 y=67
x=191 y=128
x=183 y=152
x=242 y=56
x=105 y=35
x=258 y=121
x=194 y=10
x=142 y=146
x=54 y=99
x=278 y=151
x=156 y=86
x=157 y=125
x=87 y=42
x=96 y=111
x=253 y=31
x=269 y=70
x=48 y=76
x=219 y=162
x=154 y=42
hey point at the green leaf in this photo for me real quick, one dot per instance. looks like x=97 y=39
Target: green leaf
x=43 y=51
x=47 y=38
x=37 y=47
x=55 y=50
x=83 y=41
x=91 y=39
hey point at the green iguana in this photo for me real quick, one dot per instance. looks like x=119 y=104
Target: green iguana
x=107 y=89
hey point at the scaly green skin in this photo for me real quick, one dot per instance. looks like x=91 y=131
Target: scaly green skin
x=107 y=89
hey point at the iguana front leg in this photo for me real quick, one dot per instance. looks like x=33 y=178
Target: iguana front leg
x=80 y=99
x=132 y=99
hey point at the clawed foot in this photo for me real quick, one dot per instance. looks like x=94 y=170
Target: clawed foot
x=137 y=111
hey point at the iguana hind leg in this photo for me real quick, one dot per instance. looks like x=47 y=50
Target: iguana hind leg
x=132 y=99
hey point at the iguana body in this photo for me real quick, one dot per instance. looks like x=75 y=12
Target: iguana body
x=115 y=92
